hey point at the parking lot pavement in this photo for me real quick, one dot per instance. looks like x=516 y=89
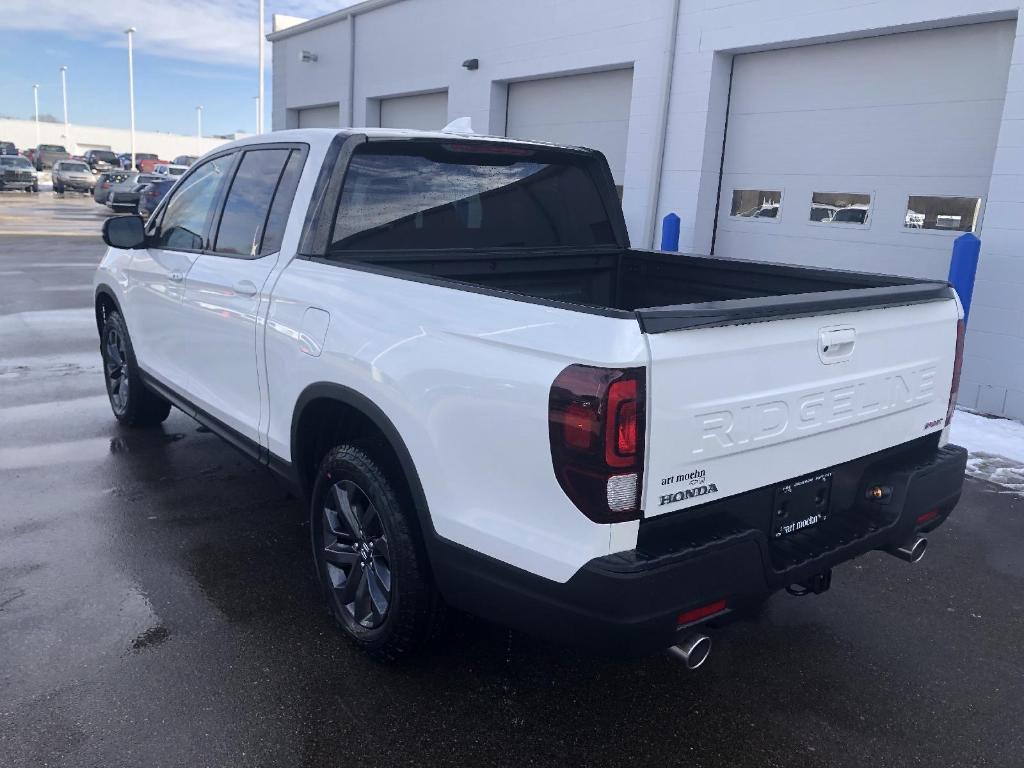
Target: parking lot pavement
x=71 y=214
x=157 y=607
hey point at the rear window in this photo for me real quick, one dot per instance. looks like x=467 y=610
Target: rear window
x=51 y=148
x=107 y=157
x=439 y=195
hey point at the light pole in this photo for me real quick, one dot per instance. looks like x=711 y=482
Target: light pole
x=259 y=115
x=64 y=87
x=199 y=129
x=35 y=100
x=131 y=96
x=257 y=99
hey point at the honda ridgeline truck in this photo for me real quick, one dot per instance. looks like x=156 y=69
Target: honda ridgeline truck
x=447 y=346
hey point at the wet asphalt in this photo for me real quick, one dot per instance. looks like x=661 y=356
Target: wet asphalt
x=158 y=608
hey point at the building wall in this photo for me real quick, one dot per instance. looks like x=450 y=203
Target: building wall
x=83 y=137
x=415 y=46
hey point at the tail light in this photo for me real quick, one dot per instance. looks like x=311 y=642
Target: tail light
x=596 y=427
x=958 y=361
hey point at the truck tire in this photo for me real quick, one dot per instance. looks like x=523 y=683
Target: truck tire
x=133 y=403
x=370 y=564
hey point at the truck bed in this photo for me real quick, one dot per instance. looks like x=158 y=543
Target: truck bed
x=665 y=291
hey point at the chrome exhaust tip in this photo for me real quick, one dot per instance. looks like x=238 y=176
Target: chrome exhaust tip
x=912 y=551
x=693 y=651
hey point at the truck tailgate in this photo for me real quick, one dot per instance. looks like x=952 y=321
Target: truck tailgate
x=739 y=407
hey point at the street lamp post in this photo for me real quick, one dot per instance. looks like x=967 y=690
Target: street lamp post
x=131 y=95
x=64 y=88
x=257 y=100
x=35 y=100
x=199 y=129
x=259 y=116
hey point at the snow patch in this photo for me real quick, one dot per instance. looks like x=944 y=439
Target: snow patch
x=995 y=447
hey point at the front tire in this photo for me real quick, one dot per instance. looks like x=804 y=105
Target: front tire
x=369 y=559
x=132 y=402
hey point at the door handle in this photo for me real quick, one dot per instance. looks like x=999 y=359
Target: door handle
x=177 y=277
x=836 y=344
x=245 y=288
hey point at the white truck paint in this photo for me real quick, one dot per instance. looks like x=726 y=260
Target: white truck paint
x=754 y=377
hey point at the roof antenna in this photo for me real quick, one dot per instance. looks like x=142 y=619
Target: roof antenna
x=459 y=125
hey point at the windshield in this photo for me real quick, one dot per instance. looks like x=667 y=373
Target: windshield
x=76 y=167
x=15 y=162
x=51 y=148
x=107 y=157
x=434 y=195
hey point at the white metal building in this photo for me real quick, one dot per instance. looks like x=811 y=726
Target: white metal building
x=846 y=133
x=84 y=137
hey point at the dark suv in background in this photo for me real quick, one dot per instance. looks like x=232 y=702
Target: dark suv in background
x=48 y=154
x=8 y=148
x=100 y=160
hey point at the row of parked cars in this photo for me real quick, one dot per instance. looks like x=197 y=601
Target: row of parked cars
x=46 y=155
x=134 y=192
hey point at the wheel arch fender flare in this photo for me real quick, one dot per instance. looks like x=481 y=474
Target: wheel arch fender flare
x=326 y=390
x=105 y=291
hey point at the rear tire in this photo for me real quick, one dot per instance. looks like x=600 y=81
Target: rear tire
x=370 y=562
x=133 y=403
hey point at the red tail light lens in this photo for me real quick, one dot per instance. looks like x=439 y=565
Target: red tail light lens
x=688 y=617
x=958 y=361
x=596 y=429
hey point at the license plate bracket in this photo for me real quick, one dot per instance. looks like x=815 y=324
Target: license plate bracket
x=802 y=503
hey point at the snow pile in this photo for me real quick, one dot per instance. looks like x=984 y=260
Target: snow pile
x=996 y=448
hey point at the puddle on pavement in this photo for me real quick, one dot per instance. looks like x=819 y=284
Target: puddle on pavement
x=49 y=454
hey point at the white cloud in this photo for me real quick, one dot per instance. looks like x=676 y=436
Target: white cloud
x=211 y=31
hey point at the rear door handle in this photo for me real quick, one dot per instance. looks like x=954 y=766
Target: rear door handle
x=245 y=288
x=177 y=277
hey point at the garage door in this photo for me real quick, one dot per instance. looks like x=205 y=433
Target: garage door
x=866 y=154
x=320 y=117
x=425 y=111
x=590 y=110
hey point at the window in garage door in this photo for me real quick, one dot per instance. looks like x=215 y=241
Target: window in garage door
x=589 y=110
x=891 y=118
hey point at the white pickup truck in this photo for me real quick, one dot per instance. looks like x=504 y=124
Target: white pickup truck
x=446 y=345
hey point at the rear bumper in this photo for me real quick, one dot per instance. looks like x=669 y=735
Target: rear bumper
x=627 y=604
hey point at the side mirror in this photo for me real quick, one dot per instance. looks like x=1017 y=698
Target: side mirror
x=124 y=232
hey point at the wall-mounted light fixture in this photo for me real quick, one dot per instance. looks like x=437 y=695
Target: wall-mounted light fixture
x=308 y=56
x=471 y=64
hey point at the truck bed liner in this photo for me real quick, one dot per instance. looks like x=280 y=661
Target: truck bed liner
x=664 y=291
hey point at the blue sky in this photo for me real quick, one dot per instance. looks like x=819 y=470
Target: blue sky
x=187 y=52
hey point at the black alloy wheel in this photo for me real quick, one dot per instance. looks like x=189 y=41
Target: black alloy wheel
x=357 y=556
x=115 y=367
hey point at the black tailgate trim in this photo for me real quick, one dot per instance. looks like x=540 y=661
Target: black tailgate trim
x=761 y=309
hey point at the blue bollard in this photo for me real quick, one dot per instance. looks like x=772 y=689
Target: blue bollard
x=963 y=267
x=670 y=233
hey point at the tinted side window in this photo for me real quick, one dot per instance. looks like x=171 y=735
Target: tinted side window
x=282 y=204
x=187 y=212
x=248 y=202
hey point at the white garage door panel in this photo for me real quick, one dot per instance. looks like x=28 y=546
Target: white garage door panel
x=425 y=111
x=320 y=117
x=590 y=110
x=893 y=116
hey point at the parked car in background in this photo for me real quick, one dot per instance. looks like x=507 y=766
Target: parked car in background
x=48 y=154
x=146 y=161
x=100 y=160
x=185 y=160
x=73 y=176
x=123 y=197
x=104 y=182
x=30 y=155
x=169 y=169
x=151 y=193
x=18 y=173
x=124 y=161
x=8 y=148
